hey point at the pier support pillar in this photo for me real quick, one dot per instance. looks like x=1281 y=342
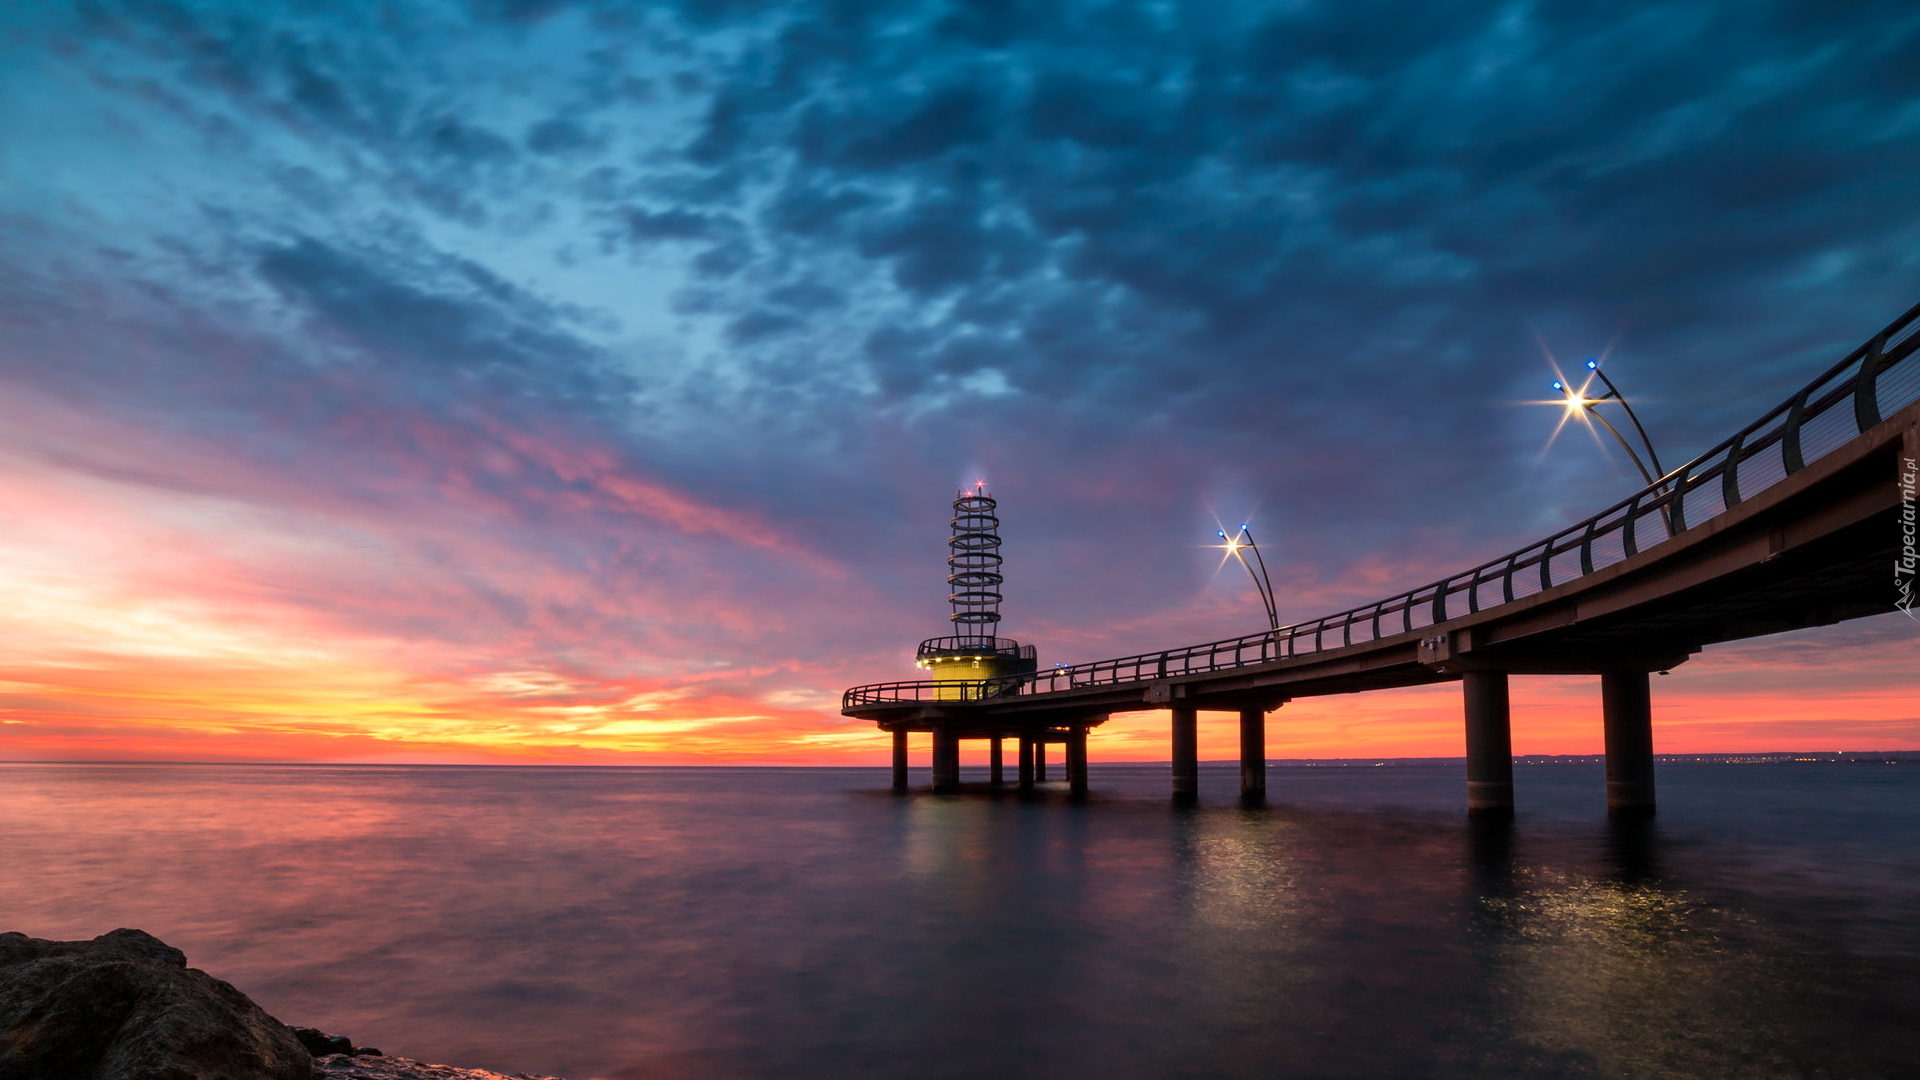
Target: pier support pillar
x=899 y=761
x=1077 y=759
x=995 y=771
x=1627 y=705
x=946 y=760
x=1026 y=763
x=1186 y=755
x=1040 y=757
x=1489 y=744
x=1253 y=756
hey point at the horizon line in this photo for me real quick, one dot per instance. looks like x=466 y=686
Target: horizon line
x=1757 y=757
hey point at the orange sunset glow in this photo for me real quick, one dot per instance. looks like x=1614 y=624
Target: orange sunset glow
x=200 y=625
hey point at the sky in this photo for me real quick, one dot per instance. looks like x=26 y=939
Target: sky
x=545 y=382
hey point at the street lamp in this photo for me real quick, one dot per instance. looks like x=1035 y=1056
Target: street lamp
x=1577 y=401
x=1237 y=546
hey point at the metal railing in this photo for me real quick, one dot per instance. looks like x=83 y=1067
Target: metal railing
x=986 y=646
x=944 y=692
x=1879 y=377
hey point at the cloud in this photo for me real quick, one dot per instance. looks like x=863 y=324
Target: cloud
x=474 y=321
x=561 y=331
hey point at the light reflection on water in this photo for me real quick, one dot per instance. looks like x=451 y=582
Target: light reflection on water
x=794 y=923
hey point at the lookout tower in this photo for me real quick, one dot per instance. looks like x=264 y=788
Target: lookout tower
x=974 y=651
x=974 y=669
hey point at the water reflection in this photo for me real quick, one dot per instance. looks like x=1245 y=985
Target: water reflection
x=1239 y=872
x=1634 y=851
x=767 y=923
x=1614 y=972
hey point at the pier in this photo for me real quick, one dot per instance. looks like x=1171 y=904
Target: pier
x=1794 y=521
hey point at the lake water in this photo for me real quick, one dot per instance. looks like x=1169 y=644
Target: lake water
x=797 y=923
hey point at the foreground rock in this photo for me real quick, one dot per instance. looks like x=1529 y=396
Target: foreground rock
x=125 y=1006
x=347 y=1067
x=320 y=1044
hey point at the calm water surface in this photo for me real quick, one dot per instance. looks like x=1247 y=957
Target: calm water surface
x=770 y=923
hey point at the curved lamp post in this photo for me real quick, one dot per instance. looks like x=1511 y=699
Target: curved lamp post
x=1578 y=400
x=1237 y=546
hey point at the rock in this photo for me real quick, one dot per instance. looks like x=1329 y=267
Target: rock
x=125 y=1006
x=320 y=1044
x=345 y=1067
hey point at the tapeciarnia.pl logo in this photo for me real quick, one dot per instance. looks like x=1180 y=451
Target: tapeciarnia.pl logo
x=1903 y=567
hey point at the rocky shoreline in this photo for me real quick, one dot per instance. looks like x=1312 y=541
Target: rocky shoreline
x=349 y=1067
x=336 y=1058
x=125 y=1006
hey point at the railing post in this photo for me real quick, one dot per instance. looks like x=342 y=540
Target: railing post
x=1730 y=470
x=1792 y=458
x=1677 y=502
x=1866 y=390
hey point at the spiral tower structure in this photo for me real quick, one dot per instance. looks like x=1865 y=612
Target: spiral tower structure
x=974 y=579
x=973 y=565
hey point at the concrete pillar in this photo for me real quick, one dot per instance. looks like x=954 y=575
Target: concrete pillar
x=1627 y=706
x=946 y=760
x=1186 y=755
x=1253 y=756
x=899 y=761
x=1040 y=757
x=995 y=774
x=1077 y=759
x=1489 y=744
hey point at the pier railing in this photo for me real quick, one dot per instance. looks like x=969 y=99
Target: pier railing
x=942 y=692
x=990 y=646
x=1880 y=377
